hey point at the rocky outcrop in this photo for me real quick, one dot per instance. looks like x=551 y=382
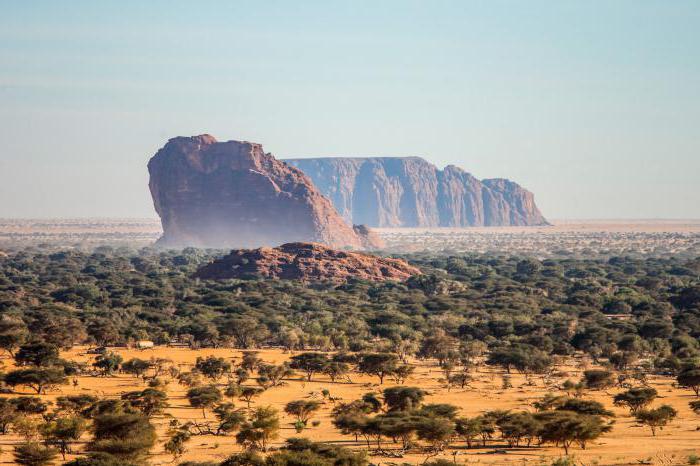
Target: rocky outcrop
x=232 y=194
x=306 y=262
x=370 y=239
x=411 y=192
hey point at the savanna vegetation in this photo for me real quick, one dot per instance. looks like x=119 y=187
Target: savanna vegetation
x=622 y=322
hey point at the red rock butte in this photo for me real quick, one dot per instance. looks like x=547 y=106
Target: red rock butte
x=306 y=262
x=234 y=195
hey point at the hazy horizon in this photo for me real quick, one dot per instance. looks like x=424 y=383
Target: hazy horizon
x=592 y=106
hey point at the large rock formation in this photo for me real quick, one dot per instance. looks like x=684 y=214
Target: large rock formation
x=307 y=262
x=411 y=192
x=232 y=194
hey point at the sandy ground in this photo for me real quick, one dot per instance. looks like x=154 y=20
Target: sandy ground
x=626 y=444
x=569 y=226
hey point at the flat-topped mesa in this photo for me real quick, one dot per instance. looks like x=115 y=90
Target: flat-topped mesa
x=411 y=192
x=232 y=194
x=307 y=262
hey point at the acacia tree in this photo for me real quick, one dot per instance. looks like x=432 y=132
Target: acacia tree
x=378 y=364
x=230 y=418
x=437 y=432
x=8 y=413
x=136 y=367
x=248 y=393
x=656 y=418
x=309 y=363
x=149 y=401
x=203 y=397
x=598 y=379
x=566 y=427
x=108 y=363
x=262 y=427
x=34 y=454
x=636 y=398
x=37 y=378
x=470 y=429
x=303 y=410
x=250 y=361
x=75 y=404
x=695 y=406
x=13 y=333
x=270 y=375
x=63 y=431
x=336 y=370
x=36 y=353
x=690 y=378
x=403 y=398
x=212 y=367
x=177 y=439
x=126 y=436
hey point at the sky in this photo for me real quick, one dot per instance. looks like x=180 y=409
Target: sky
x=593 y=105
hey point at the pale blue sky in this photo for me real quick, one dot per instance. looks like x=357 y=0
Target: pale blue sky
x=592 y=105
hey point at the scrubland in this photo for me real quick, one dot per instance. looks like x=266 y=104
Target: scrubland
x=627 y=443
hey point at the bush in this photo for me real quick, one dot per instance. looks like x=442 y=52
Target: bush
x=34 y=454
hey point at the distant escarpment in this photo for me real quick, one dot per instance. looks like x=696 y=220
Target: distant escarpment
x=306 y=262
x=411 y=192
x=233 y=195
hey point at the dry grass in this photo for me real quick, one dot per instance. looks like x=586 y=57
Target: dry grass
x=626 y=444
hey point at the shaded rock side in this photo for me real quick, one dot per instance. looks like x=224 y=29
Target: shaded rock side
x=307 y=262
x=411 y=192
x=232 y=195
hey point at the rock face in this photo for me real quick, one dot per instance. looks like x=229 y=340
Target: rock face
x=307 y=262
x=411 y=192
x=232 y=194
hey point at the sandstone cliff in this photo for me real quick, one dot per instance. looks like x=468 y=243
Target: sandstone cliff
x=307 y=262
x=233 y=194
x=411 y=192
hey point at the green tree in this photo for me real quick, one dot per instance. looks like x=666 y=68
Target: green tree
x=248 y=393
x=470 y=429
x=565 y=428
x=598 y=379
x=37 y=353
x=212 y=367
x=403 y=398
x=262 y=427
x=230 y=419
x=34 y=454
x=99 y=459
x=8 y=414
x=378 y=364
x=108 y=363
x=636 y=398
x=303 y=410
x=176 y=444
x=690 y=378
x=75 y=404
x=437 y=432
x=656 y=418
x=270 y=375
x=127 y=437
x=136 y=367
x=695 y=406
x=13 y=334
x=37 y=378
x=63 y=431
x=203 y=397
x=149 y=401
x=309 y=363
